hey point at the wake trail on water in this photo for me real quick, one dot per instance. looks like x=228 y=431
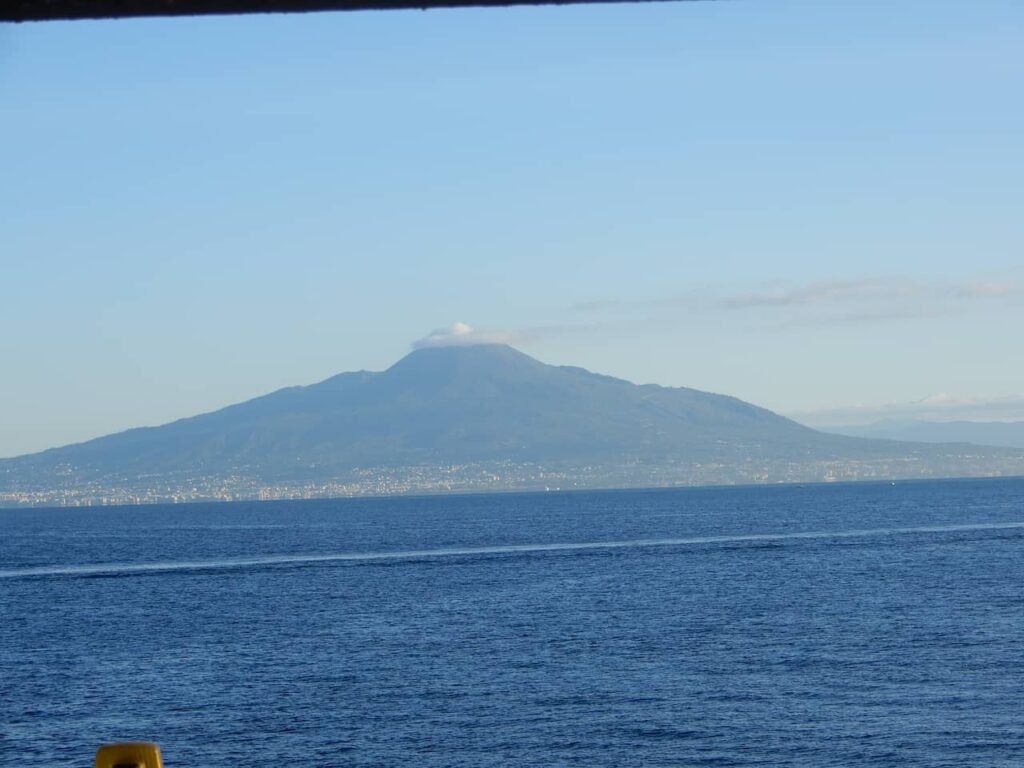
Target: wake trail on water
x=129 y=569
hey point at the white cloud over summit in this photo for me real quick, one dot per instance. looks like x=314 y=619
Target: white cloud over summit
x=460 y=334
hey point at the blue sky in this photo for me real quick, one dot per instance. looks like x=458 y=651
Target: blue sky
x=816 y=207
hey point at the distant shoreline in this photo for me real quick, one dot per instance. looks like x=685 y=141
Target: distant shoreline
x=526 y=492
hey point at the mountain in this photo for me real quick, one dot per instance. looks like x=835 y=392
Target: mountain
x=1007 y=434
x=463 y=412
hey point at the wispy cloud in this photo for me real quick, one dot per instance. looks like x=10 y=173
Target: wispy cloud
x=864 y=316
x=990 y=289
x=823 y=293
x=599 y=305
x=940 y=407
x=829 y=302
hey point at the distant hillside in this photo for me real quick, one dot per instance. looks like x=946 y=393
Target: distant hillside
x=483 y=405
x=1007 y=434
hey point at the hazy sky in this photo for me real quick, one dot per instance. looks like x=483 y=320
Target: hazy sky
x=809 y=205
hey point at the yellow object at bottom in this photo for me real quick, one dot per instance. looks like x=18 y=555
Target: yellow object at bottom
x=133 y=754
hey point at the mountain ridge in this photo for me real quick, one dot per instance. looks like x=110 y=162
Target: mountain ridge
x=479 y=405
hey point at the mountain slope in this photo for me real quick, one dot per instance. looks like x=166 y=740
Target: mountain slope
x=455 y=405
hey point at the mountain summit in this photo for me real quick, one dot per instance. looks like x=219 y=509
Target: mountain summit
x=477 y=405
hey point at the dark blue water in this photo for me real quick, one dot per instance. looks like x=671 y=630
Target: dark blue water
x=789 y=626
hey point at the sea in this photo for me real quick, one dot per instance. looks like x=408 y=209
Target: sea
x=870 y=624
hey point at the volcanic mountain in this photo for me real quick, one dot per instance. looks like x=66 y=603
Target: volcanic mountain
x=461 y=405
